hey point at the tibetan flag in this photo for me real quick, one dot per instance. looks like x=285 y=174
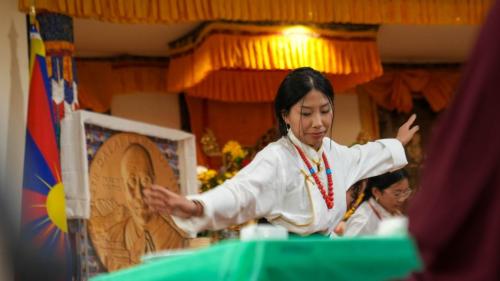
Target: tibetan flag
x=43 y=219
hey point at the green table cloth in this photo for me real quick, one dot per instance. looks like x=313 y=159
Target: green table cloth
x=312 y=258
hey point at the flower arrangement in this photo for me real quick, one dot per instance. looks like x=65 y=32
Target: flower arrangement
x=234 y=149
x=211 y=178
x=207 y=179
x=232 y=157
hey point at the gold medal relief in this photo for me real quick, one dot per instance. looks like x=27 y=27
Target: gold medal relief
x=122 y=227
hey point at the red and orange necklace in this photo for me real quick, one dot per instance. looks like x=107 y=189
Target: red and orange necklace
x=328 y=197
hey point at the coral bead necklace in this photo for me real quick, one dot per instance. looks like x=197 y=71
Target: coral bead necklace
x=328 y=197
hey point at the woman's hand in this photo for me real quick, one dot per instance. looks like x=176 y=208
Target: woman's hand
x=161 y=199
x=406 y=132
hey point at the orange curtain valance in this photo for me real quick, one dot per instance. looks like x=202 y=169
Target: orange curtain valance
x=394 y=90
x=100 y=80
x=259 y=55
x=342 y=11
x=256 y=86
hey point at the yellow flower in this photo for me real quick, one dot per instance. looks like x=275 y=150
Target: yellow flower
x=207 y=176
x=211 y=173
x=234 y=149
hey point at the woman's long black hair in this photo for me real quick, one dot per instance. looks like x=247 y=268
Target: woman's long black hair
x=296 y=85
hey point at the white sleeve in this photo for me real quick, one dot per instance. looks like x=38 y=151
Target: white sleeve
x=357 y=224
x=373 y=159
x=252 y=193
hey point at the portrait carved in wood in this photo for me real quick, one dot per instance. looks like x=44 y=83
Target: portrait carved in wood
x=122 y=227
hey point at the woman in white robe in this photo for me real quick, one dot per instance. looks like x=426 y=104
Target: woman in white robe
x=384 y=198
x=278 y=184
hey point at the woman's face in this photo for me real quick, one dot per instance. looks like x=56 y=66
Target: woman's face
x=393 y=197
x=310 y=118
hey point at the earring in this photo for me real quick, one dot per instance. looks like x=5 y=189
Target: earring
x=287 y=126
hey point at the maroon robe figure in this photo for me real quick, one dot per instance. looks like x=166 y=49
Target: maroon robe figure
x=455 y=216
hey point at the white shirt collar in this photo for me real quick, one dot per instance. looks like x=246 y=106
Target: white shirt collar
x=311 y=153
x=382 y=211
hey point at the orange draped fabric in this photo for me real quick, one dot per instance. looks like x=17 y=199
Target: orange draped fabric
x=100 y=80
x=345 y=11
x=243 y=122
x=368 y=116
x=210 y=66
x=395 y=88
x=256 y=86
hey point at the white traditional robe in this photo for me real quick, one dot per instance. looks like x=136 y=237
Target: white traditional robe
x=275 y=186
x=365 y=221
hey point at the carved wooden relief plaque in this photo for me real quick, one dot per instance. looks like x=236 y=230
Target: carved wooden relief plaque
x=121 y=226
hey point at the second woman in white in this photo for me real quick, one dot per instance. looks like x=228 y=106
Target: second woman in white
x=384 y=198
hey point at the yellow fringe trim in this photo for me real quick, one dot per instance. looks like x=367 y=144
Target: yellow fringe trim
x=342 y=11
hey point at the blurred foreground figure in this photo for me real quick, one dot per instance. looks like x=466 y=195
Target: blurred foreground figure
x=455 y=217
x=21 y=261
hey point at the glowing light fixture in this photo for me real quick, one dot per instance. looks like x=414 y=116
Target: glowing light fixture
x=299 y=34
